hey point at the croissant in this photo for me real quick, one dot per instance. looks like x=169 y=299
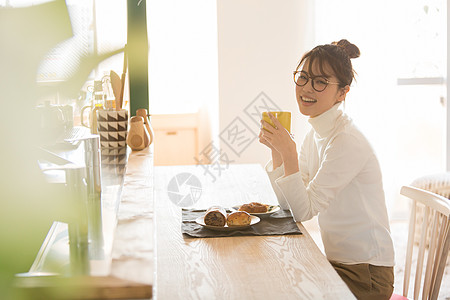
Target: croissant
x=254 y=207
x=215 y=216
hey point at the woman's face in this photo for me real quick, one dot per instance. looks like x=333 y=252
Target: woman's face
x=312 y=103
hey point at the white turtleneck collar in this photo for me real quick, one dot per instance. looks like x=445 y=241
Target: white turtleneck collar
x=324 y=123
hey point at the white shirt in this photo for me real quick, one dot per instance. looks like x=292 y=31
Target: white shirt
x=340 y=181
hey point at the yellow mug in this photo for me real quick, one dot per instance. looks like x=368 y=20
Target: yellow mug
x=283 y=116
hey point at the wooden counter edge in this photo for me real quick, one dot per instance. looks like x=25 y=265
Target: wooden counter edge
x=82 y=288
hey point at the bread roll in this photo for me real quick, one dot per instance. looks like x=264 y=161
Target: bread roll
x=254 y=207
x=238 y=218
x=215 y=216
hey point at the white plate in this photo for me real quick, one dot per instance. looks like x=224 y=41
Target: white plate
x=253 y=221
x=270 y=210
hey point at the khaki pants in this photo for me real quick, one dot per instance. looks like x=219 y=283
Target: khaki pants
x=367 y=281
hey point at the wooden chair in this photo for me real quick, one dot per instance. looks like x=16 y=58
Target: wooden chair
x=438 y=183
x=434 y=242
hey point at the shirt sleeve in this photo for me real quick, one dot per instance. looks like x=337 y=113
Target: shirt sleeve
x=343 y=159
x=273 y=176
x=302 y=161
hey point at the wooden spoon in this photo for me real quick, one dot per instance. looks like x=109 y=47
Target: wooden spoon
x=124 y=72
x=116 y=84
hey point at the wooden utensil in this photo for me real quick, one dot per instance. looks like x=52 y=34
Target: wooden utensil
x=116 y=84
x=125 y=62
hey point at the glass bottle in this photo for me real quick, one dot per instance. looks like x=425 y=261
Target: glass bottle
x=97 y=104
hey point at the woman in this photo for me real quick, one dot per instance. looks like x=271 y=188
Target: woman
x=337 y=175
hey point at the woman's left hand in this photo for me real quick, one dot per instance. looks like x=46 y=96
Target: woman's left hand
x=280 y=139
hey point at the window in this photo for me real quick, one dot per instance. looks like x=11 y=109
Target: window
x=98 y=26
x=399 y=40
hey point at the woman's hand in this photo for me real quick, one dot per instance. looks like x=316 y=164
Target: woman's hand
x=263 y=137
x=276 y=157
x=280 y=141
x=277 y=138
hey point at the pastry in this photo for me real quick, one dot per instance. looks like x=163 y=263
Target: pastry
x=238 y=218
x=254 y=207
x=215 y=216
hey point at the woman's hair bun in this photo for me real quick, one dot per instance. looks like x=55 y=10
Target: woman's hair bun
x=349 y=48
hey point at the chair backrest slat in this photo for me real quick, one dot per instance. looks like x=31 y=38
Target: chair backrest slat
x=431 y=256
x=439 y=245
x=423 y=242
x=444 y=241
x=409 y=249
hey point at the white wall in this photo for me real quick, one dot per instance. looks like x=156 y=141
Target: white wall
x=260 y=43
x=183 y=64
x=182 y=56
